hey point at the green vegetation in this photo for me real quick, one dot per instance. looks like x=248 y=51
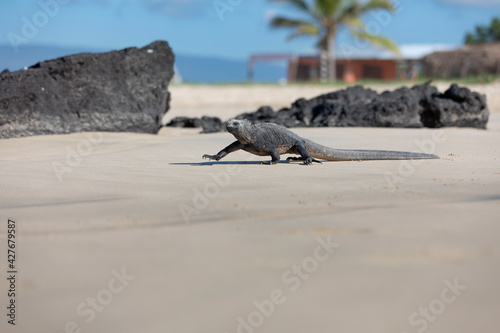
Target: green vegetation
x=476 y=79
x=484 y=34
x=324 y=18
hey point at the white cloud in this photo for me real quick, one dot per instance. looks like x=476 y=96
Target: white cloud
x=179 y=8
x=417 y=51
x=473 y=3
x=409 y=51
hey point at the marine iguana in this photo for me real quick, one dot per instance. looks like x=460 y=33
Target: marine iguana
x=270 y=139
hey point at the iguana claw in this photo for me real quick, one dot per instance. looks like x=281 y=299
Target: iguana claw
x=307 y=161
x=310 y=160
x=211 y=157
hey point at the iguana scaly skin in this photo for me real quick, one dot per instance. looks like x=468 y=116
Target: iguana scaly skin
x=271 y=139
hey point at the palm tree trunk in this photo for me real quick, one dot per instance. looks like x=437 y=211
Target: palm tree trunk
x=332 y=61
x=323 y=66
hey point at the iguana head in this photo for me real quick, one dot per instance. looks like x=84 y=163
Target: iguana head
x=240 y=129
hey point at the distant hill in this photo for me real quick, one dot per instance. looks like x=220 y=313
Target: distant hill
x=218 y=70
x=196 y=69
x=30 y=55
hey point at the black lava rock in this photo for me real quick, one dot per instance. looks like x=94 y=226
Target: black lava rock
x=209 y=124
x=459 y=107
x=185 y=122
x=420 y=106
x=263 y=114
x=118 y=91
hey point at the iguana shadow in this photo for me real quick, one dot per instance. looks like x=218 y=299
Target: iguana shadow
x=225 y=163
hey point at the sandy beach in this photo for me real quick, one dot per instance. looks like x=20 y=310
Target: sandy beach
x=199 y=100
x=122 y=232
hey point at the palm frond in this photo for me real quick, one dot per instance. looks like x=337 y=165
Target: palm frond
x=300 y=28
x=348 y=11
x=354 y=22
x=283 y=22
x=377 y=4
x=305 y=30
x=377 y=41
x=327 y=8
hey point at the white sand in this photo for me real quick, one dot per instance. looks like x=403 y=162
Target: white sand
x=120 y=206
x=200 y=100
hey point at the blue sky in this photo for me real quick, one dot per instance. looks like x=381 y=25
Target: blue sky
x=193 y=27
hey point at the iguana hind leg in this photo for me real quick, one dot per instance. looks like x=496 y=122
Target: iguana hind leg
x=304 y=155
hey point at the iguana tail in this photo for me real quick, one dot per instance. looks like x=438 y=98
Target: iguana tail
x=318 y=151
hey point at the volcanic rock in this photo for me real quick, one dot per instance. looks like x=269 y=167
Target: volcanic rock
x=118 y=91
x=419 y=106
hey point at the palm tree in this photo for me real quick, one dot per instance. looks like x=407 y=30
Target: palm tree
x=324 y=18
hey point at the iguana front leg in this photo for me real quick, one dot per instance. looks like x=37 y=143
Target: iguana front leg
x=229 y=149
